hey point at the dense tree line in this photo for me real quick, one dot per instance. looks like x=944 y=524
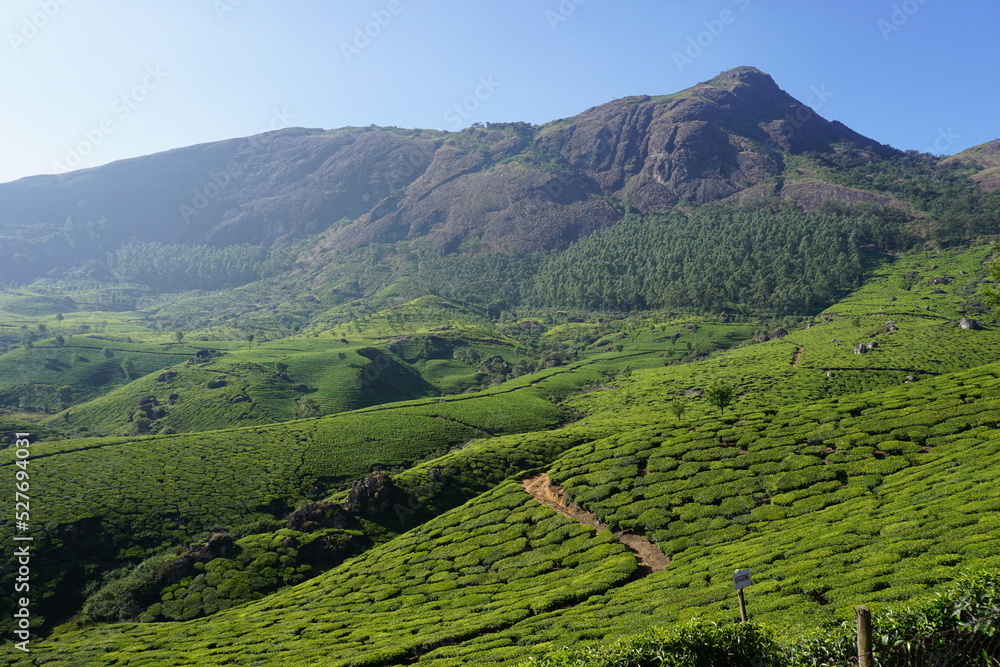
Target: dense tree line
x=769 y=259
x=498 y=281
x=763 y=260
x=175 y=267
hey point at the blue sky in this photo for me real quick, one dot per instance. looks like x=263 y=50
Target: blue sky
x=92 y=81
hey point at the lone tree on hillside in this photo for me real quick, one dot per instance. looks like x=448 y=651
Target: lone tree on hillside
x=676 y=406
x=63 y=395
x=721 y=395
x=307 y=407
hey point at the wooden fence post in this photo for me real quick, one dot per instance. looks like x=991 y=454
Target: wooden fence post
x=864 y=636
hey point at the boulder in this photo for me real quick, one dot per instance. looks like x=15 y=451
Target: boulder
x=968 y=323
x=371 y=494
x=315 y=516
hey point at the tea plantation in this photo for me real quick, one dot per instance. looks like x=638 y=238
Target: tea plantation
x=853 y=462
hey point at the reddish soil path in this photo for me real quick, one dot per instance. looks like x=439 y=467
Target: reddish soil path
x=798 y=355
x=544 y=491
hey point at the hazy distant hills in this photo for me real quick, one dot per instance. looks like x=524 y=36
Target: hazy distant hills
x=501 y=186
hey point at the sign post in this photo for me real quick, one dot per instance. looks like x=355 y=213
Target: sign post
x=741 y=579
x=864 y=636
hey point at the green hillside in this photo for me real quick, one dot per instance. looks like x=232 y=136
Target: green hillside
x=899 y=504
x=839 y=476
x=90 y=366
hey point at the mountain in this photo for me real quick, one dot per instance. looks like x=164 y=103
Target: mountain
x=702 y=144
x=505 y=186
x=380 y=396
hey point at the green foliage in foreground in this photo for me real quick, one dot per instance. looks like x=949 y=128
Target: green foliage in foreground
x=697 y=645
x=960 y=625
x=878 y=529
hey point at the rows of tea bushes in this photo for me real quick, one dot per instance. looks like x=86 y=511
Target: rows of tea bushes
x=442 y=583
x=906 y=505
x=243 y=388
x=832 y=495
x=448 y=481
x=810 y=364
x=957 y=626
x=147 y=494
x=941 y=283
x=872 y=530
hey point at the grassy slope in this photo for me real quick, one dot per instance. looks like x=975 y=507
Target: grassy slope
x=253 y=394
x=81 y=364
x=872 y=497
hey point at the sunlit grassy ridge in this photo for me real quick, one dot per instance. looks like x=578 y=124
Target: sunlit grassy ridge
x=243 y=387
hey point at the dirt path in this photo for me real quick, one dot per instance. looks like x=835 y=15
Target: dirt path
x=544 y=491
x=798 y=355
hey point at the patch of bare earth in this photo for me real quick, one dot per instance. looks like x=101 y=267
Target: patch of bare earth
x=539 y=487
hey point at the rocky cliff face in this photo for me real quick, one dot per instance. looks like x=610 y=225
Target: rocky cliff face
x=703 y=144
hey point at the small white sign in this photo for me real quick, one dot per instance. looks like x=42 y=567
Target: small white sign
x=742 y=579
